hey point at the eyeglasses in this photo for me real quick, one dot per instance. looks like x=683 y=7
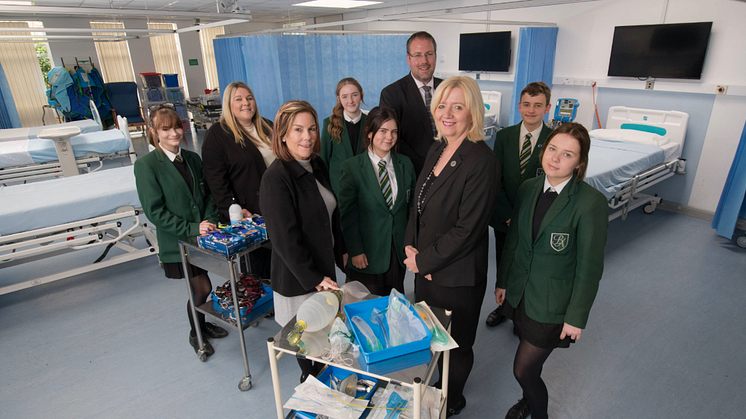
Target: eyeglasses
x=160 y=106
x=418 y=56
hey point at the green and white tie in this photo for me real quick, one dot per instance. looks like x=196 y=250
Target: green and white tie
x=383 y=180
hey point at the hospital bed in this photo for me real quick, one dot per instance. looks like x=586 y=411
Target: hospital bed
x=492 y=101
x=45 y=219
x=43 y=152
x=638 y=149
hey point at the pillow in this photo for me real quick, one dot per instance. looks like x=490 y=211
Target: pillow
x=632 y=136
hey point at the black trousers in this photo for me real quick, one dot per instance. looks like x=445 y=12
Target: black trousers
x=382 y=284
x=465 y=304
x=499 y=246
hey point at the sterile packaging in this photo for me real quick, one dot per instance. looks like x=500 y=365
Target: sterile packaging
x=222 y=242
x=252 y=234
x=336 y=375
x=256 y=221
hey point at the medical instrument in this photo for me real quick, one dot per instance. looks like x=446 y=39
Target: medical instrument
x=314 y=314
x=376 y=316
x=371 y=340
x=565 y=111
x=438 y=336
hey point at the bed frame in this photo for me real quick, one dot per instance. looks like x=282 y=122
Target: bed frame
x=67 y=164
x=630 y=197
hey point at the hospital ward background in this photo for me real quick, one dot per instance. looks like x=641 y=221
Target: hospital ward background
x=91 y=328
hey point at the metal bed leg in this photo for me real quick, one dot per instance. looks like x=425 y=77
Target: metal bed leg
x=275 y=377
x=198 y=330
x=245 y=383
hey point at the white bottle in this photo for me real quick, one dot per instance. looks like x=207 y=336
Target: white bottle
x=314 y=314
x=235 y=213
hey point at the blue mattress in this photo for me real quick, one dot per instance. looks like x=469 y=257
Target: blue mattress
x=86 y=125
x=59 y=201
x=612 y=163
x=20 y=152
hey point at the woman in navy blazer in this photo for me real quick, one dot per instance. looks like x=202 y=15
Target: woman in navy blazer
x=301 y=215
x=374 y=215
x=447 y=236
x=553 y=261
x=175 y=199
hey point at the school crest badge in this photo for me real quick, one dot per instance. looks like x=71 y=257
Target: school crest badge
x=559 y=241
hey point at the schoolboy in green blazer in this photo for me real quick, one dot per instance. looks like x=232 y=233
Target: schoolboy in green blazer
x=533 y=106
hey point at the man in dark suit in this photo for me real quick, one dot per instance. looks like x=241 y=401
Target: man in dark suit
x=517 y=147
x=410 y=98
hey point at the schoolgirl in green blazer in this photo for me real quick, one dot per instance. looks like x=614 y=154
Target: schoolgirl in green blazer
x=175 y=199
x=342 y=132
x=375 y=191
x=552 y=262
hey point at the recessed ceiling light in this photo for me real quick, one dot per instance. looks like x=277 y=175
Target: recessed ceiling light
x=15 y=3
x=337 y=4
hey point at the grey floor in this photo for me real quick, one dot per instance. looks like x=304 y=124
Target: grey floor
x=665 y=339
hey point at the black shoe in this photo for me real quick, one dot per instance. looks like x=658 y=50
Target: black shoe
x=520 y=410
x=456 y=409
x=495 y=318
x=209 y=350
x=214 y=331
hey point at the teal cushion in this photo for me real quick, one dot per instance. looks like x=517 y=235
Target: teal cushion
x=645 y=128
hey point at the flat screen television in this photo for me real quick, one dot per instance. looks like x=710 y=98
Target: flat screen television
x=484 y=51
x=671 y=51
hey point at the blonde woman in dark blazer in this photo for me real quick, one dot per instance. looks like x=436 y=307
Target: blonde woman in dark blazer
x=176 y=200
x=342 y=134
x=375 y=199
x=447 y=236
x=552 y=262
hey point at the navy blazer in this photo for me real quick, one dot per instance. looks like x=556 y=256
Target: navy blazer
x=305 y=247
x=451 y=234
x=415 y=131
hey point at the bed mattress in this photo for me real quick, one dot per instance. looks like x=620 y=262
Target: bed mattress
x=611 y=164
x=13 y=134
x=59 y=201
x=20 y=152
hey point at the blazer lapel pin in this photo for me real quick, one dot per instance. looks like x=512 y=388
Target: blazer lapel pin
x=453 y=163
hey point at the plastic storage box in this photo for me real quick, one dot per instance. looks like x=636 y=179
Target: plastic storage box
x=174 y=95
x=170 y=80
x=258 y=307
x=222 y=242
x=153 y=94
x=363 y=309
x=151 y=80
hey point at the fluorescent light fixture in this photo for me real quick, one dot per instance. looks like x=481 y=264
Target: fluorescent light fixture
x=337 y=4
x=15 y=3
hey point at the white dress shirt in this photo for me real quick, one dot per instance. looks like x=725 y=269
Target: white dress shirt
x=534 y=136
x=557 y=188
x=171 y=156
x=420 y=84
x=350 y=119
x=374 y=159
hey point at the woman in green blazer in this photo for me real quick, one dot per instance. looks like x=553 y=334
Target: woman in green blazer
x=552 y=262
x=375 y=190
x=342 y=133
x=175 y=199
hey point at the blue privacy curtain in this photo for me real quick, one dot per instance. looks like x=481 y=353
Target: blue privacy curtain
x=534 y=62
x=8 y=113
x=732 y=203
x=279 y=68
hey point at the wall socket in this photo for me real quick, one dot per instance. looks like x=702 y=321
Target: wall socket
x=721 y=89
x=649 y=85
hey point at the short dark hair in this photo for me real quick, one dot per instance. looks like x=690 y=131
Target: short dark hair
x=579 y=133
x=377 y=117
x=537 y=88
x=422 y=35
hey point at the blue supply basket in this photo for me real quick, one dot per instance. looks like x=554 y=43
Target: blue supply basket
x=170 y=80
x=259 y=306
x=340 y=374
x=174 y=95
x=363 y=309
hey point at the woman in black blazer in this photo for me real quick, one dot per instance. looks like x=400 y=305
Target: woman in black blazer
x=174 y=198
x=236 y=152
x=447 y=241
x=301 y=215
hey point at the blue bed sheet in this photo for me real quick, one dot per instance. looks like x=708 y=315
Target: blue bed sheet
x=14 y=134
x=102 y=142
x=612 y=163
x=59 y=201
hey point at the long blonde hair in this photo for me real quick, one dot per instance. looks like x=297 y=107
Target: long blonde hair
x=336 y=120
x=230 y=124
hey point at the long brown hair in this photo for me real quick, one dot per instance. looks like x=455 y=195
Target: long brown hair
x=283 y=121
x=377 y=117
x=336 y=120
x=230 y=124
x=578 y=132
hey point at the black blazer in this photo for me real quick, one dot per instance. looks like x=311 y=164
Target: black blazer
x=451 y=234
x=298 y=226
x=415 y=132
x=232 y=171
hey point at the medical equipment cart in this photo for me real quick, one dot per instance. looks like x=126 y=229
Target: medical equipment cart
x=415 y=377
x=226 y=267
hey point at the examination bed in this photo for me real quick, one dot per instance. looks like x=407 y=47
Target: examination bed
x=41 y=152
x=44 y=219
x=638 y=149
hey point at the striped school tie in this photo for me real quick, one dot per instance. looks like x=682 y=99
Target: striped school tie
x=428 y=101
x=525 y=152
x=383 y=180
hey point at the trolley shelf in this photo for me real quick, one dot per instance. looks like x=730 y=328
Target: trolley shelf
x=253 y=318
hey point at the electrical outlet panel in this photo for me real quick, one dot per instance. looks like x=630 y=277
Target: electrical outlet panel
x=649 y=85
x=721 y=89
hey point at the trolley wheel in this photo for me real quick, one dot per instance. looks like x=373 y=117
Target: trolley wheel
x=245 y=384
x=649 y=208
x=741 y=241
x=202 y=355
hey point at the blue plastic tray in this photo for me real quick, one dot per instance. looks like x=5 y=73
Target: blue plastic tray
x=363 y=310
x=258 y=307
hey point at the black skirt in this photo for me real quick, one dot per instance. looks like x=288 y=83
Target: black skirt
x=174 y=270
x=541 y=335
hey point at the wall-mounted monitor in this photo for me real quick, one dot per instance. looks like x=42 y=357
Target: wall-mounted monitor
x=672 y=51
x=485 y=51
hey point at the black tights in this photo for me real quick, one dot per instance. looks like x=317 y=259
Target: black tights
x=201 y=288
x=527 y=367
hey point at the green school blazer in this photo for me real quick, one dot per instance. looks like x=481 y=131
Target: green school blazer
x=333 y=153
x=367 y=224
x=167 y=202
x=506 y=149
x=557 y=274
